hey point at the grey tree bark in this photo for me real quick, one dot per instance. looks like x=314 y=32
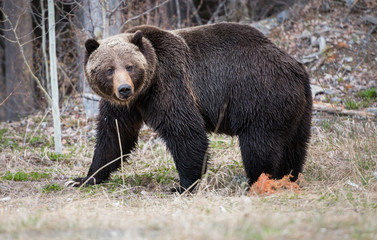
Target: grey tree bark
x=19 y=85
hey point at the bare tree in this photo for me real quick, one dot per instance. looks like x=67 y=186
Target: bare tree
x=54 y=77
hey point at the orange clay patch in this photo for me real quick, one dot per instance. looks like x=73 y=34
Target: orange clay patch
x=266 y=186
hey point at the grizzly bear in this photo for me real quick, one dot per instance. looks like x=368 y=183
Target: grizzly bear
x=225 y=78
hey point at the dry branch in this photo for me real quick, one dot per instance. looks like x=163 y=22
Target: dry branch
x=144 y=13
x=10 y=94
x=216 y=13
x=340 y=111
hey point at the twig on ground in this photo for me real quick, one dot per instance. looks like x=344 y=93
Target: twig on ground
x=339 y=111
x=318 y=64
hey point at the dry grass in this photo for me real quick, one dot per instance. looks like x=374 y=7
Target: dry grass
x=338 y=197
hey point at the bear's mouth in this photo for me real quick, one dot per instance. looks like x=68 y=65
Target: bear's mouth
x=123 y=98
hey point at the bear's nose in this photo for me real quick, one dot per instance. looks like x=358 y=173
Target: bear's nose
x=125 y=90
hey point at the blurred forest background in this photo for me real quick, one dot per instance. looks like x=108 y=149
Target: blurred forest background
x=24 y=26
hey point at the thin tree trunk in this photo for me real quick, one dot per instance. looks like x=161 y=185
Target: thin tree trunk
x=54 y=77
x=44 y=43
x=178 y=14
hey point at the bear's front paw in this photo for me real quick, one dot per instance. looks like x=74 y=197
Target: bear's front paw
x=178 y=189
x=181 y=190
x=78 y=182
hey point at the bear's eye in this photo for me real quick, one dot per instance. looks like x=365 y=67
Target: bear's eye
x=129 y=68
x=110 y=72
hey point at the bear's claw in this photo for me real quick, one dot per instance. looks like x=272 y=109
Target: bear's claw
x=78 y=182
x=71 y=183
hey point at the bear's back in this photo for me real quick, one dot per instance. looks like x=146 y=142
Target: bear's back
x=224 y=51
x=222 y=35
x=237 y=66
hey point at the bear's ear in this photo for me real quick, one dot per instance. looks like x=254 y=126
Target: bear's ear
x=137 y=39
x=91 y=45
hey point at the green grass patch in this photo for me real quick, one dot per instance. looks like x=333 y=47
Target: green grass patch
x=368 y=94
x=23 y=176
x=327 y=124
x=2 y=132
x=56 y=156
x=53 y=187
x=352 y=105
x=6 y=142
x=221 y=142
x=39 y=140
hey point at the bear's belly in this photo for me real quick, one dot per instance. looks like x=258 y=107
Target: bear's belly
x=221 y=126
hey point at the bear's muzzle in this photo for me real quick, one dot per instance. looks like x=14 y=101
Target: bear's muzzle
x=122 y=85
x=124 y=91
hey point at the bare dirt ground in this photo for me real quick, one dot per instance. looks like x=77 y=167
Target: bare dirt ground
x=337 y=199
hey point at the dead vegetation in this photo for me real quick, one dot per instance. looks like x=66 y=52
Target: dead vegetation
x=337 y=196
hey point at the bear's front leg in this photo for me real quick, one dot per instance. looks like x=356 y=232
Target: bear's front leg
x=107 y=146
x=188 y=145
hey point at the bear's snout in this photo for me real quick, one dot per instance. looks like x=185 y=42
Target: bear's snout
x=125 y=91
x=123 y=86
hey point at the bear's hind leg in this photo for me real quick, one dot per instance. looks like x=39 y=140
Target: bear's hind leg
x=260 y=154
x=295 y=152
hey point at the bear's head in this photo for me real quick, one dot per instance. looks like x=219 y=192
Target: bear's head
x=120 y=68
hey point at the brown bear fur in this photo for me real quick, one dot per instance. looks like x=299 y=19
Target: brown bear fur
x=223 y=77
